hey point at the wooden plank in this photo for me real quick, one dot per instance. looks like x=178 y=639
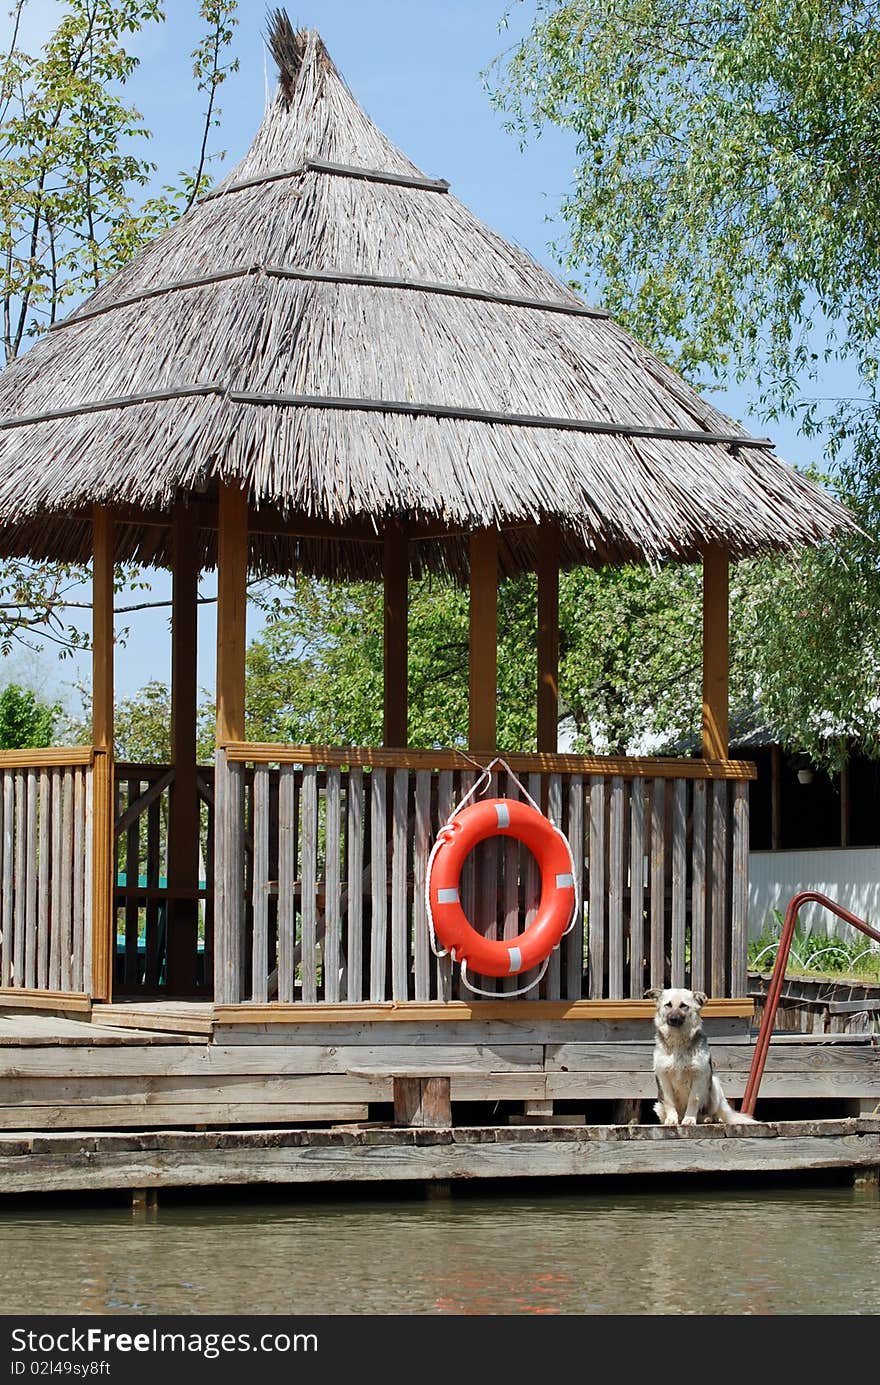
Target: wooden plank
x=445 y=805
x=89 y=1117
x=286 y=883
x=20 y=875
x=43 y=999
x=395 y=642
x=531 y=893
x=596 y=914
x=333 y=887
x=88 y=878
x=573 y=970
x=637 y=889
x=399 y=901
x=29 y=979
x=51 y=758
x=102 y=935
x=483 y=642
x=616 y=941
x=309 y=935
x=260 y=964
x=679 y=881
x=698 y=889
x=378 y=884
x=8 y=878
x=739 y=931
x=355 y=855
x=175 y=1089
x=55 y=938
x=79 y=865
x=548 y=637
x=552 y=985
x=511 y=1011
x=190 y=1158
x=152 y=941
x=43 y=890
x=716 y=580
x=365 y=757
x=184 y=808
x=658 y=884
x=720 y=913
x=510 y=900
x=421 y=851
x=468 y=888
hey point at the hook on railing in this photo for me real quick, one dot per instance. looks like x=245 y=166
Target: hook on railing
x=775 y=988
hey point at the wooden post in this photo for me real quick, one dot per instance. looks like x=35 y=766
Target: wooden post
x=715 y=653
x=482 y=722
x=396 y=577
x=548 y=638
x=103 y=917
x=422 y=1101
x=232 y=554
x=183 y=805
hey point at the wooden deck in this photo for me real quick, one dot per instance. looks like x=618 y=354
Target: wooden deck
x=167 y=1066
x=168 y=1159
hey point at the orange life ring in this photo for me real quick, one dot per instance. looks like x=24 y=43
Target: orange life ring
x=505 y=817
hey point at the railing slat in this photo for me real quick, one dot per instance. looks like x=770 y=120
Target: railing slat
x=596 y=914
x=637 y=889
x=445 y=805
x=79 y=862
x=531 y=895
x=152 y=950
x=468 y=887
x=20 y=872
x=8 y=879
x=333 y=886
x=132 y=871
x=553 y=975
x=43 y=880
x=739 y=931
x=510 y=902
x=615 y=890
x=574 y=943
x=421 y=851
x=378 y=884
x=698 y=888
x=309 y=888
x=88 y=878
x=658 y=883
x=355 y=853
x=286 y=883
x=719 y=888
x=57 y=871
x=679 y=880
x=260 y=954
x=399 y=904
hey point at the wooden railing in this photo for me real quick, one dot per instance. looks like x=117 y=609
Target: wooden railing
x=46 y=870
x=321 y=856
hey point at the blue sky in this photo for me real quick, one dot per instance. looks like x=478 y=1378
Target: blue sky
x=415 y=66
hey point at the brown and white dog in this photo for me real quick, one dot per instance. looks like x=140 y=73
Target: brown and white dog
x=687 y=1087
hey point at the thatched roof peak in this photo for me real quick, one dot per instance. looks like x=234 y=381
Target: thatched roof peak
x=332 y=329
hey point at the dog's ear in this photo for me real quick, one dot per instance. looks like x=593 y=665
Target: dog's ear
x=653 y=994
x=700 y=997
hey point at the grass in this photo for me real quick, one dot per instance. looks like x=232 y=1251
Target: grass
x=852 y=957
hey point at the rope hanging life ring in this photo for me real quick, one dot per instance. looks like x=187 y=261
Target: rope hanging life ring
x=506 y=817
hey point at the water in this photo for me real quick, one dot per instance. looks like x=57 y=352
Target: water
x=755 y=1251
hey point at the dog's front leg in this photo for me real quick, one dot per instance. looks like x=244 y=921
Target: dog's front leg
x=693 y=1107
x=665 y=1108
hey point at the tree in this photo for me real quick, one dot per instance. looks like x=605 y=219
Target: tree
x=726 y=207
x=26 y=721
x=75 y=205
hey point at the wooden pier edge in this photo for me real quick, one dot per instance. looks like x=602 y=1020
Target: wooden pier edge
x=81 y=1161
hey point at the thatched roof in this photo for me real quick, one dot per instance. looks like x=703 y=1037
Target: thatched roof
x=335 y=330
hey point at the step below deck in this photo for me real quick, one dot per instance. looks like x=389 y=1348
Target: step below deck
x=80 y=1161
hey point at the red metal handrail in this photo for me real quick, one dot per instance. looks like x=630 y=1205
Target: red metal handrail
x=775 y=989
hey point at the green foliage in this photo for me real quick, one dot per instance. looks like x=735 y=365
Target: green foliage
x=817 y=954
x=25 y=721
x=74 y=208
x=726 y=207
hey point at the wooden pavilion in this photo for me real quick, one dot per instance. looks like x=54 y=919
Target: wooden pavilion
x=329 y=366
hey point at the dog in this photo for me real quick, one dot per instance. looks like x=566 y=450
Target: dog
x=687 y=1087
